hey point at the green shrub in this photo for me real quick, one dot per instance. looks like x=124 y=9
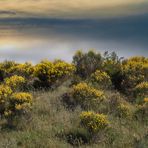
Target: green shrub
x=112 y=65
x=87 y=63
x=93 y=122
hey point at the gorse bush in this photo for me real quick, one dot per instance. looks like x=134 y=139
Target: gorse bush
x=5 y=93
x=48 y=73
x=15 y=82
x=20 y=102
x=135 y=71
x=101 y=79
x=17 y=105
x=86 y=95
x=26 y=70
x=93 y=122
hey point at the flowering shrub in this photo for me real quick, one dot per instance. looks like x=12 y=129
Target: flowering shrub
x=17 y=105
x=49 y=73
x=25 y=70
x=101 y=78
x=15 y=82
x=5 y=93
x=123 y=111
x=5 y=69
x=20 y=102
x=93 y=122
x=84 y=94
x=135 y=71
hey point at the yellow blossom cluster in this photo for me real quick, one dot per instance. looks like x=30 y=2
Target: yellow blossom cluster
x=101 y=78
x=15 y=82
x=93 y=122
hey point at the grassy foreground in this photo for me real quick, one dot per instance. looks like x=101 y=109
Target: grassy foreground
x=49 y=119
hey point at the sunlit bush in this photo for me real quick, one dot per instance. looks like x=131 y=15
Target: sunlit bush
x=15 y=82
x=87 y=95
x=93 y=122
x=101 y=79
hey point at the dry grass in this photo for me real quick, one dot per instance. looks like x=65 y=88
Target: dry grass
x=49 y=118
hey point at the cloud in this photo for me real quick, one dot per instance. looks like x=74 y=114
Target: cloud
x=74 y=8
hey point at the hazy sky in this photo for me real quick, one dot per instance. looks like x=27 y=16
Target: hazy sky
x=36 y=29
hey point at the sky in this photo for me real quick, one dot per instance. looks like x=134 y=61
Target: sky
x=36 y=29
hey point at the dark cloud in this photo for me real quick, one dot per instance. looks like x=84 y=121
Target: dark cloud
x=130 y=29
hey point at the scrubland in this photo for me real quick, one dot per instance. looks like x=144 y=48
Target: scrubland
x=98 y=101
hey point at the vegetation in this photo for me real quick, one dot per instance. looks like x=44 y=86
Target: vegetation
x=95 y=101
